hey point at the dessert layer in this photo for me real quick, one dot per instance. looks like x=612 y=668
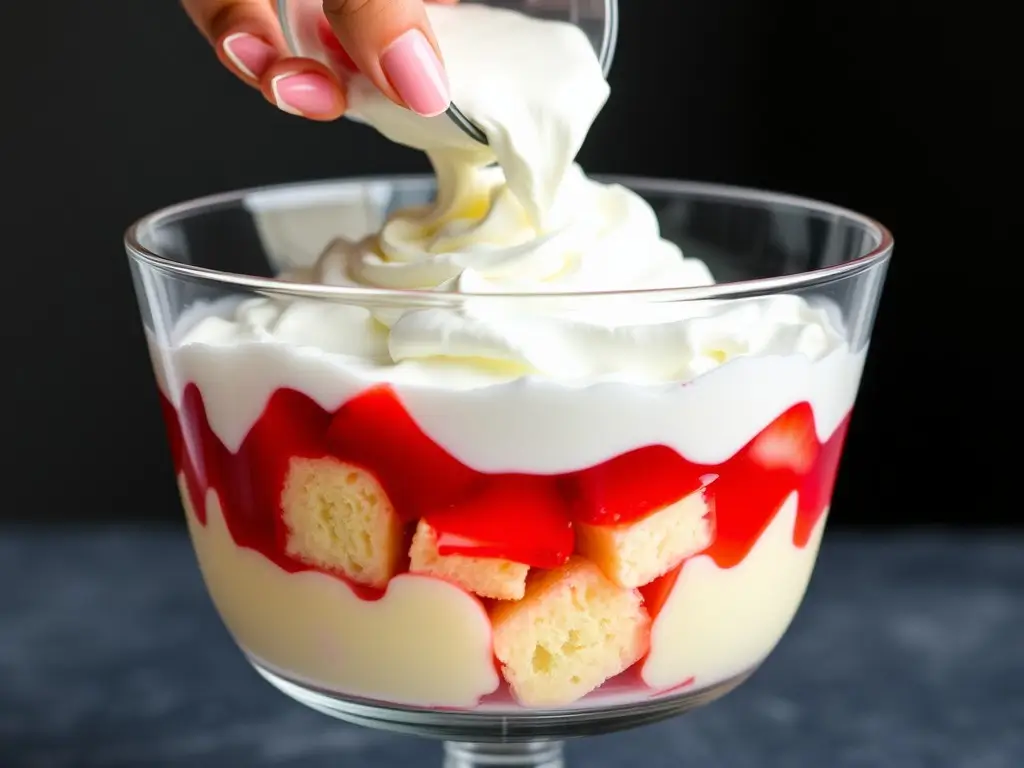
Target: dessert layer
x=336 y=491
x=717 y=622
x=495 y=422
x=423 y=643
x=714 y=623
x=574 y=573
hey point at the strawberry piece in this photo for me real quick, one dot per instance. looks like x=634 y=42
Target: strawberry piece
x=817 y=485
x=375 y=432
x=631 y=486
x=784 y=457
x=790 y=442
x=512 y=517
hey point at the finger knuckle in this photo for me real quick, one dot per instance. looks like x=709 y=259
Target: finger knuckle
x=346 y=7
x=220 y=18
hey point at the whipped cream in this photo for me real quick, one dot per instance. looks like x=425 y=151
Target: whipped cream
x=533 y=224
x=481 y=343
x=533 y=86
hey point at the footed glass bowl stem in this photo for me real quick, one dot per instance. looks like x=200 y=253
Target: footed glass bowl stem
x=529 y=754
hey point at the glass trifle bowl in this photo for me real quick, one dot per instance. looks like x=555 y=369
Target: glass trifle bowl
x=504 y=520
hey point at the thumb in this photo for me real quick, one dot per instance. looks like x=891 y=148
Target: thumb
x=392 y=44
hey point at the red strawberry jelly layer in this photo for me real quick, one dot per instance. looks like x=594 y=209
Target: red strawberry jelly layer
x=752 y=485
x=249 y=482
x=375 y=431
x=512 y=517
x=518 y=517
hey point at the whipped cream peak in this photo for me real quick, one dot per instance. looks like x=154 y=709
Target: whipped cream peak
x=477 y=238
x=533 y=86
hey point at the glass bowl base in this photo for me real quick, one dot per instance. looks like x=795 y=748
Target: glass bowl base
x=492 y=727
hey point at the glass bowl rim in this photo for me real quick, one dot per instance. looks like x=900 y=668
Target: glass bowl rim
x=729 y=290
x=605 y=54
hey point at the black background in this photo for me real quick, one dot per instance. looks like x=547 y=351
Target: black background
x=114 y=108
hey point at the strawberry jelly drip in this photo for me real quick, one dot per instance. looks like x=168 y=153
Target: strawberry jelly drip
x=747 y=494
x=483 y=515
x=374 y=431
x=181 y=461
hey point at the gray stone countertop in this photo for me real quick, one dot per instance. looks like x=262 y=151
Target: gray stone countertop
x=908 y=652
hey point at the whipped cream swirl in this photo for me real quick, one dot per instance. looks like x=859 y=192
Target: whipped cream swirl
x=478 y=239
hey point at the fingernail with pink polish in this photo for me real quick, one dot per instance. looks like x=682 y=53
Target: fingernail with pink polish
x=303 y=93
x=416 y=73
x=249 y=54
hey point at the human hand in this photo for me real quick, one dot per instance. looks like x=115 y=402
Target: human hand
x=389 y=41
